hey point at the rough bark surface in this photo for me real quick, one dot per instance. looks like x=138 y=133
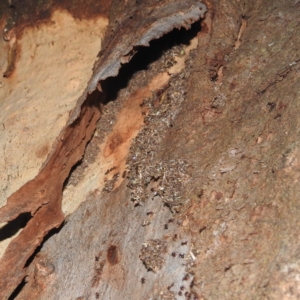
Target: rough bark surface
x=41 y=197
x=207 y=207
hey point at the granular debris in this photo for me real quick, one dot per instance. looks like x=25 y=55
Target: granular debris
x=152 y=255
x=148 y=175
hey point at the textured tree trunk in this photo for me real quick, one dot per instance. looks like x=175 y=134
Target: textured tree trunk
x=174 y=174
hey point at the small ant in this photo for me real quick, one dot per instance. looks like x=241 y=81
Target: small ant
x=214 y=78
x=186 y=277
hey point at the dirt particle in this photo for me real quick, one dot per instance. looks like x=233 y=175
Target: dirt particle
x=271 y=106
x=99 y=265
x=218 y=196
x=112 y=255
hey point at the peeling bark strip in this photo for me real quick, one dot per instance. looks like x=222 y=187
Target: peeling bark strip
x=42 y=196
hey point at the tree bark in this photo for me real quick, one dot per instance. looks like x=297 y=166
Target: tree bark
x=189 y=185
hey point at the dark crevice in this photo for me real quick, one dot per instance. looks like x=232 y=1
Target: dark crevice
x=12 y=227
x=97 y=99
x=50 y=234
x=145 y=56
x=20 y=287
x=18 y=290
x=66 y=182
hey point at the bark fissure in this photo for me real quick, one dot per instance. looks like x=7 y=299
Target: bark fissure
x=42 y=196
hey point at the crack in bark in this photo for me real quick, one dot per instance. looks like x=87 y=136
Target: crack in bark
x=42 y=196
x=279 y=77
